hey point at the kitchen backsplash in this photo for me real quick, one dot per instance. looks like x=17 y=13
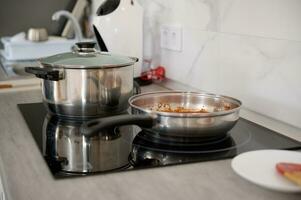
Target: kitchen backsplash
x=248 y=49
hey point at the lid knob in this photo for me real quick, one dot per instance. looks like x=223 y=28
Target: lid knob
x=85 y=47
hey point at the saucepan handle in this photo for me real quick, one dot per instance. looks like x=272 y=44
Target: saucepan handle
x=93 y=127
x=45 y=73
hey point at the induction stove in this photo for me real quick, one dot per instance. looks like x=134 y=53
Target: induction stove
x=68 y=153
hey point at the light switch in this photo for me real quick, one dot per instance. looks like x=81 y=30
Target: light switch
x=171 y=37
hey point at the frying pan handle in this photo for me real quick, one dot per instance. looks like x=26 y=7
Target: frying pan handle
x=93 y=127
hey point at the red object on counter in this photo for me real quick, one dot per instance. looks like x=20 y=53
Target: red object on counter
x=291 y=171
x=154 y=74
x=288 y=167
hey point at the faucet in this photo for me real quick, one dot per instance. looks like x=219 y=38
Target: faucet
x=77 y=30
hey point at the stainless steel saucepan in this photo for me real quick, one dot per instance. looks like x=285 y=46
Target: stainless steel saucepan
x=203 y=115
x=86 y=83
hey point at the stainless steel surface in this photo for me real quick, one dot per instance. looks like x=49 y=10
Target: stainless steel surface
x=215 y=123
x=86 y=92
x=37 y=34
x=222 y=114
x=65 y=146
x=89 y=93
x=111 y=88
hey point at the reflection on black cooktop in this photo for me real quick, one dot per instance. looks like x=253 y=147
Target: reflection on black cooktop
x=68 y=153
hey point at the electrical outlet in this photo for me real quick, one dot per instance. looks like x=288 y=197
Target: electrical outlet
x=171 y=37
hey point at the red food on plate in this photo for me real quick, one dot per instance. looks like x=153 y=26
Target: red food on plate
x=292 y=171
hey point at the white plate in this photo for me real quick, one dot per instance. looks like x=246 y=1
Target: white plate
x=259 y=167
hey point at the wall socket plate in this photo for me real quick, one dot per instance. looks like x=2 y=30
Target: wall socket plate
x=171 y=37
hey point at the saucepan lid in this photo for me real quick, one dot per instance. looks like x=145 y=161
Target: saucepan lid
x=85 y=56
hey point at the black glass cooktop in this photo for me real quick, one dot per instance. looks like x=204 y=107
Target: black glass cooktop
x=68 y=153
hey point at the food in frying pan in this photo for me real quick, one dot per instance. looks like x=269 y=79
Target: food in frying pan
x=165 y=107
x=291 y=171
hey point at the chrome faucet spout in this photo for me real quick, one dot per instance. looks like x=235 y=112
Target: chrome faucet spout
x=78 y=32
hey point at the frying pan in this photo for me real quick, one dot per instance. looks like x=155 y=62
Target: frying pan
x=222 y=114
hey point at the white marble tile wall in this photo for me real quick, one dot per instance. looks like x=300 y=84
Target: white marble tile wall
x=267 y=18
x=197 y=65
x=248 y=49
x=264 y=74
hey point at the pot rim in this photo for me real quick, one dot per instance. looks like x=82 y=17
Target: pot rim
x=57 y=66
x=130 y=61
